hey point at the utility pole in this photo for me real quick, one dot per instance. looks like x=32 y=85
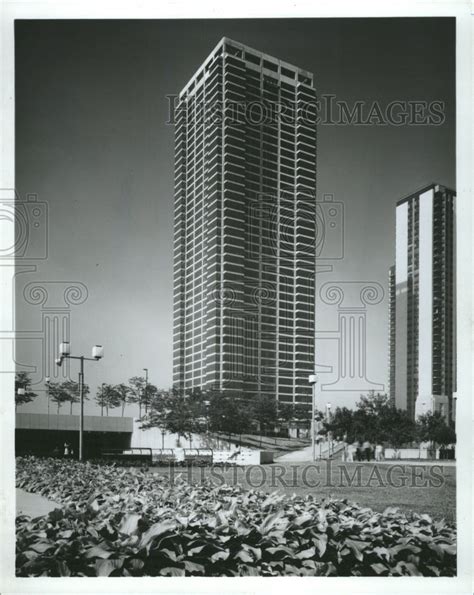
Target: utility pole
x=313 y=379
x=146 y=389
x=65 y=353
x=81 y=415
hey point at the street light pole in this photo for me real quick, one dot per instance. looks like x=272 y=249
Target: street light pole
x=313 y=379
x=21 y=393
x=146 y=389
x=47 y=379
x=81 y=407
x=65 y=353
x=328 y=420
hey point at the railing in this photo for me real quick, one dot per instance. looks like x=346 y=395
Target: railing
x=198 y=456
x=163 y=456
x=129 y=456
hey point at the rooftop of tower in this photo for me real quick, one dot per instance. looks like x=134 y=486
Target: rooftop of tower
x=434 y=185
x=271 y=65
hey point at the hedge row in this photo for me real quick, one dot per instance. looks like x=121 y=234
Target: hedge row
x=122 y=522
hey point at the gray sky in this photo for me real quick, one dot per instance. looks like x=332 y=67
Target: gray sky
x=92 y=141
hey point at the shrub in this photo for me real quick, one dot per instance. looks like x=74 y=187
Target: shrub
x=123 y=522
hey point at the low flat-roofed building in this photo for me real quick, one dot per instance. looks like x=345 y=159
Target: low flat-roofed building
x=43 y=434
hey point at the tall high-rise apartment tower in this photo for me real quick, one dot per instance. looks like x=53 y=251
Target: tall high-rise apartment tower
x=423 y=303
x=245 y=225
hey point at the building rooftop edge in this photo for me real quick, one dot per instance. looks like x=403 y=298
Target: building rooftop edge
x=421 y=190
x=244 y=47
x=45 y=421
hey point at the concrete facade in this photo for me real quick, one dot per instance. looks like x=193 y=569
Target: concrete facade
x=245 y=226
x=423 y=303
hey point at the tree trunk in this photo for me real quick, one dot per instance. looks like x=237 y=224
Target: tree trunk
x=70 y=409
x=123 y=407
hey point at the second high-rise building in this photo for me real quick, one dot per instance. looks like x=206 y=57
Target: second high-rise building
x=245 y=227
x=423 y=303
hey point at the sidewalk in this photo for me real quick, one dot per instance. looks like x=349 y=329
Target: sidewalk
x=305 y=455
x=426 y=462
x=33 y=505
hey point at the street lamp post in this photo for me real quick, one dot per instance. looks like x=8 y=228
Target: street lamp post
x=206 y=405
x=313 y=379
x=146 y=389
x=46 y=380
x=20 y=392
x=328 y=420
x=65 y=353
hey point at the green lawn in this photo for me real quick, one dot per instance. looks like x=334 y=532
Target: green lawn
x=422 y=489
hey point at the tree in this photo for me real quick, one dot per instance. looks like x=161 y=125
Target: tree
x=396 y=427
x=303 y=412
x=176 y=413
x=100 y=397
x=446 y=435
x=108 y=398
x=342 y=424
x=373 y=403
x=432 y=427
x=150 y=391
x=23 y=380
x=229 y=413
x=375 y=419
x=295 y=412
x=70 y=389
x=368 y=417
x=123 y=393
x=366 y=425
x=265 y=411
x=57 y=394
x=137 y=390
x=286 y=412
x=158 y=413
x=242 y=420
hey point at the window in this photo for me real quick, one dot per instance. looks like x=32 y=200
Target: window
x=252 y=58
x=289 y=73
x=304 y=79
x=270 y=66
x=233 y=51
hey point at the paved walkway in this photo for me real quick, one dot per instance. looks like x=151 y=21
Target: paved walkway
x=426 y=462
x=33 y=505
x=306 y=456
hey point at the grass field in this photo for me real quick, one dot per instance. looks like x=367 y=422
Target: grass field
x=417 y=488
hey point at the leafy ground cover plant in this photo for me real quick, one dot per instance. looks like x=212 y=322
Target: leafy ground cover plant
x=125 y=522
